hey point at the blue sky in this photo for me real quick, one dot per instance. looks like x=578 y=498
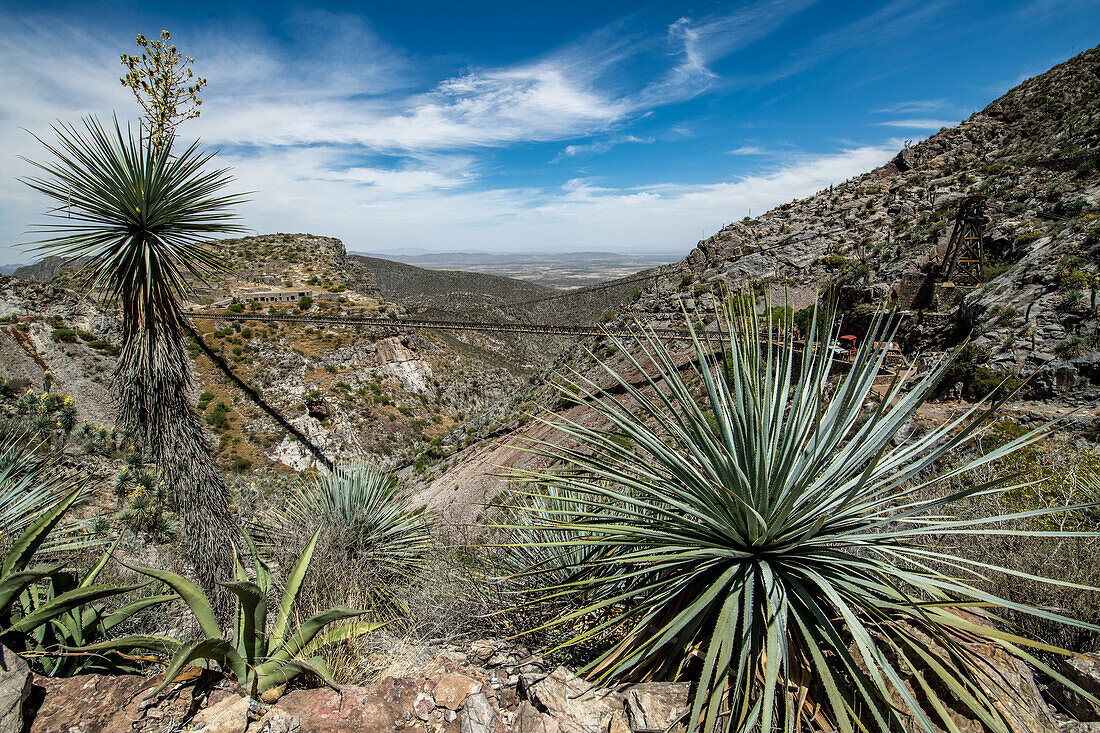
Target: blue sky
x=511 y=126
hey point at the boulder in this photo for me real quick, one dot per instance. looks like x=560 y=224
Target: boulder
x=352 y=710
x=453 y=689
x=1085 y=673
x=15 y=686
x=478 y=715
x=657 y=705
x=575 y=706
x=87 y=703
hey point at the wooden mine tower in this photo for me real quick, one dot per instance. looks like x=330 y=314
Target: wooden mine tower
x=964 y=260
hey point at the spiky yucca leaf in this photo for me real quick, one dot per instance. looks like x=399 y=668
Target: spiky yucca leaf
x=761 y=533
x=367 y=507
x=141 y=216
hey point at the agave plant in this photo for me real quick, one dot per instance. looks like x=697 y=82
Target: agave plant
x=764 y=535
x=37 y=601
x=257 y=657
x=138 y=216
x=50 y=644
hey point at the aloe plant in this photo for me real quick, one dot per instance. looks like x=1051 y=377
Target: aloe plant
x=763 y=535
x=257 y=657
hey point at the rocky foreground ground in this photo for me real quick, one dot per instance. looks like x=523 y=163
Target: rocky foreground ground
x=490 y=686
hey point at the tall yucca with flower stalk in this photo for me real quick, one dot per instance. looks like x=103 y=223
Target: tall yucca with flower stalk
x=140 y=216
x=764 y=535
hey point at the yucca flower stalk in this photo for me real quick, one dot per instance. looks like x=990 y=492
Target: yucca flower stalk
x=139 y=217
x=763 y=534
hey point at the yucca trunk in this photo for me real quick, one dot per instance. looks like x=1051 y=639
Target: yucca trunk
x=153 y=398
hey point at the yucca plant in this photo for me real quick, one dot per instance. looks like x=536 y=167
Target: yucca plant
x=30 y=485
x=139 y=217
x=762 y=534
x=258 y=658
x=364 y=511
x=535 y=547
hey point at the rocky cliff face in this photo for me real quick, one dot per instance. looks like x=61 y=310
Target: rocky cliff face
x=881 y=236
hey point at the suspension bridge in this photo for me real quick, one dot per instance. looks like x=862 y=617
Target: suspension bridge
x=445 y=325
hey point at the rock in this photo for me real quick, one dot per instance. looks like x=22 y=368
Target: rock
x=480 y=652
x=1085 y=673
x=15 y=686
x=453 y=689
x=530 y=720
x=352 y=710
x=423 y=705
x=86 y=703
x=227 y=716
x=657 y=705
x=478 y=715
x=577 y=706
x=1006 y=679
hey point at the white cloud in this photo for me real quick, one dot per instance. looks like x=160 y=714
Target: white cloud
x=749 y=150
x=916 y=106
x=372 y=209
x=921 y=123
x=355 y=142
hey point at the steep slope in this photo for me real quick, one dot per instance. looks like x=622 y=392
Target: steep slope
x=405 y=283
x=882 y=236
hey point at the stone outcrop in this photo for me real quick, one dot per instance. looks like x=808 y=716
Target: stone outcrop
x=15 y=687
x=489 y=687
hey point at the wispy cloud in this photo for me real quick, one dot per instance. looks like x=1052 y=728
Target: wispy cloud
x=749 y=150
x=916 y=106
x=598 y=147
x=918 y=123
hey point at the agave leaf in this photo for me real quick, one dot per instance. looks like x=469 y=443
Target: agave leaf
x=263 y=573
x=191 y=594
x=251 y=618
x=95 y=570
x=65 y=602
x=13 y=584
x=290 y=595
x=305 y=634
x=110 y=621
x=153 y=643
x=338 y=634
x=215 y=650
x=289 y=670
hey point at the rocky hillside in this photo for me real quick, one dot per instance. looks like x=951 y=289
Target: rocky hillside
x=388 y=395
x=881 y=237
x=1033 y=155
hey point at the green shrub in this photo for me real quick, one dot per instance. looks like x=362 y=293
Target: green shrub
x=63 y=335
x=254 y=657
x=218 y=416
